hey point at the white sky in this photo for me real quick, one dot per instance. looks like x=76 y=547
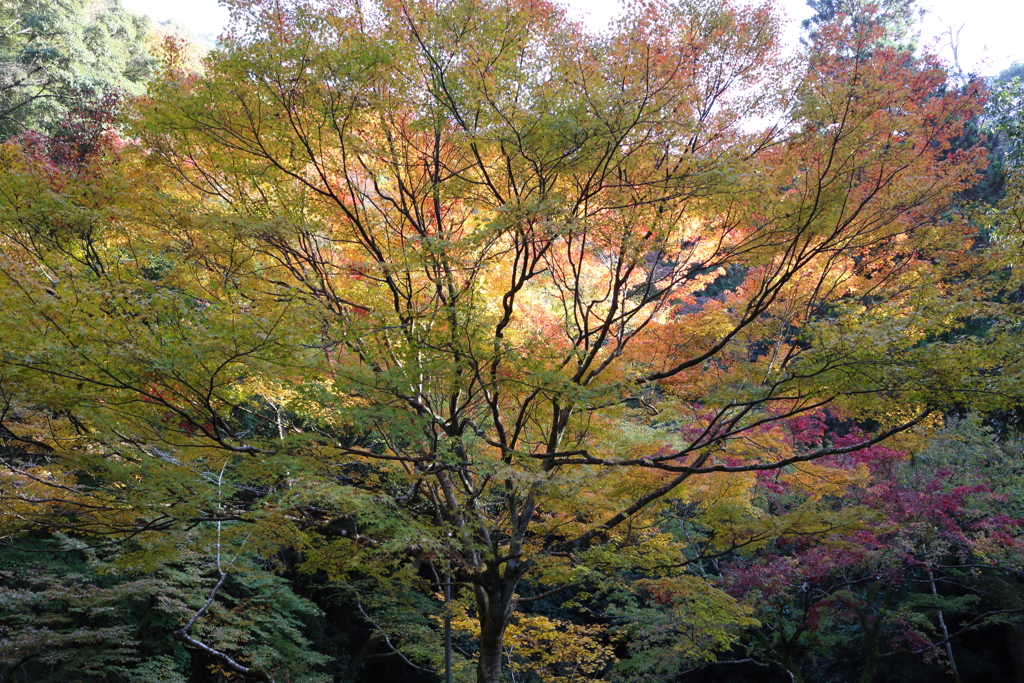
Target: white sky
x=991 y=32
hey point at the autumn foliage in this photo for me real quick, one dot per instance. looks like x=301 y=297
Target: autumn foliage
x=466 y=309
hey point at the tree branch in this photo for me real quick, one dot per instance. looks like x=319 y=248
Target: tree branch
x=183 y=634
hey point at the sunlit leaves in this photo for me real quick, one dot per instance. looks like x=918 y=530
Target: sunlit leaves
x=458 y=289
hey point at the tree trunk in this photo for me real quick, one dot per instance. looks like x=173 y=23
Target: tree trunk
x=493 y=623
x=873 y=633
x=488 y=665
x=495 y=595
x=945 y=631
x=781 y=650
x=870 y=669
x=447 y=627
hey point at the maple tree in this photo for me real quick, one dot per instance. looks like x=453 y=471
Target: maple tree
x=868 y=552
x=446 y=297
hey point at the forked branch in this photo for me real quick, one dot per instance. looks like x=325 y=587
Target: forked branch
x=183 y=634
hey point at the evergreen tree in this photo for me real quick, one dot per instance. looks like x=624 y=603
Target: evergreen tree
x=898 y=19
x=57 y=54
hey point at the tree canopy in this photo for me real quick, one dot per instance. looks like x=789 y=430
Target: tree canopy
x=459 y=307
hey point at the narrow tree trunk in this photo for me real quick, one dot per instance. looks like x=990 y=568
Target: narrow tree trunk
x=873 y=633
x=791 y=669
x=780 y=651
x=447 y=627
x=945 y=631
x=870 y=669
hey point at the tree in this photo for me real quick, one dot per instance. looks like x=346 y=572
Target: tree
x=884 y=556
x=55 y=56
x=897 y=19
x=457 y=293
x=73 y=613
x=1005 y=112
